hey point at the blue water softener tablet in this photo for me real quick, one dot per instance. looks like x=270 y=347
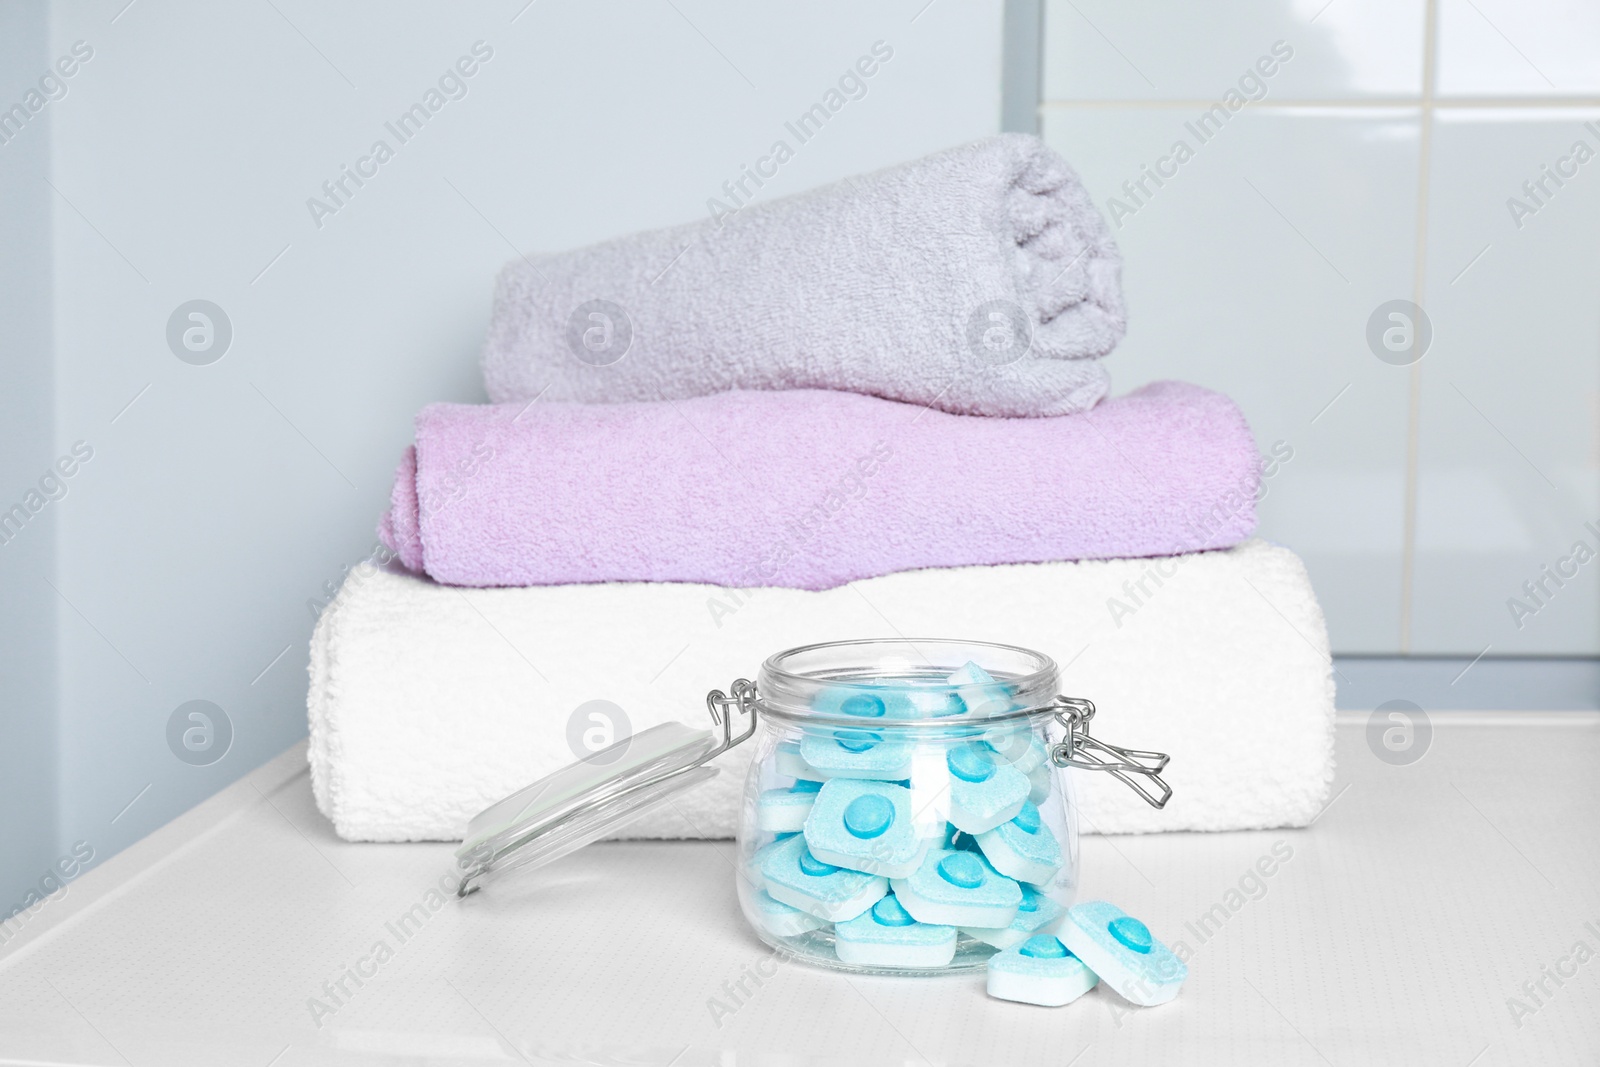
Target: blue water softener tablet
x=984 y=791
x=782 y=920
x=797 y=878
x=788 y=761
x=1016 y=744
x=936 y=703
x=1023 y=848
x=1041 y=970
x=1123 y=952
x=886 y=935
x=865 y=826
x=954 y=887
x=753 y=865
x=858 y=751
x=1013 y=743
x=1039 y=783
x=868 y=702
x=979 y=692
x=785 y=810
x=1036 y=914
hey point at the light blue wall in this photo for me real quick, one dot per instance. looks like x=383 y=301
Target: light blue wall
x=27 y=555
x=221 y=498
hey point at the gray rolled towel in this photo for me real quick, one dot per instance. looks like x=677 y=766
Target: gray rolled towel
x=980 y=280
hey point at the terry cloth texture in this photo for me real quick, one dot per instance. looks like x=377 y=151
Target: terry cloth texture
x=810 y=488
x=428 y=702
x=981 y=280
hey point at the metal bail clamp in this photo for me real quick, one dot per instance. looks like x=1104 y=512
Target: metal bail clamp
x=722 y=708
x=1136 y=769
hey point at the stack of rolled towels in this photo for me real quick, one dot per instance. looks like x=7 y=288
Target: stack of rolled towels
x=876 y=409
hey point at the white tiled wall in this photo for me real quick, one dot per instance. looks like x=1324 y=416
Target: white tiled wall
x=1508 y=443
x=1421 y=497
x=1518 y=48
x=1122 y=50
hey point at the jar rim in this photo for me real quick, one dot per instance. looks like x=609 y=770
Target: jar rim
x=791 y=680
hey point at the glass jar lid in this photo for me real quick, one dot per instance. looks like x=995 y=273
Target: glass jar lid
x=604 y=791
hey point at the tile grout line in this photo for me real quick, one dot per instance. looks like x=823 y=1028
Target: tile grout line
x=1408 y=547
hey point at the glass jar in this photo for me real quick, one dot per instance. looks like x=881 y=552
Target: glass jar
x=908 y=808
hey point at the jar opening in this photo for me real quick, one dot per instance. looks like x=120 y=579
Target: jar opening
x=812 y=681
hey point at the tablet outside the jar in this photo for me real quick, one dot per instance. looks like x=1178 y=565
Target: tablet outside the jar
x=1036 y=914
x=1023 y=848
x=885 y=935
x=1041 y=970
x=1123 y=952
x=958 y=888
x=984 y=792
x=865 y=826
x=797 y=878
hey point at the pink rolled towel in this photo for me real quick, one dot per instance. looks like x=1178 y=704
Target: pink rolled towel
x=811 y=489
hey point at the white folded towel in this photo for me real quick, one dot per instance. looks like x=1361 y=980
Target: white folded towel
x=430 y=702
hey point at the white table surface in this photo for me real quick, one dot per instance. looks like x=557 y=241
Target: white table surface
x=1418 y=903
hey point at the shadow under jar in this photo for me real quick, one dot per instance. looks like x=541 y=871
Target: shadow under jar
x=909 y=806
